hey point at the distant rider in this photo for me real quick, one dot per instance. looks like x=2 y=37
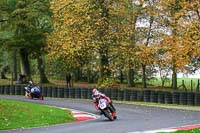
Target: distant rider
x=31 y=89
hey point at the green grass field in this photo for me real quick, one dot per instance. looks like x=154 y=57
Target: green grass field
x=190 y=83
x=197 y=130
x=15 y=114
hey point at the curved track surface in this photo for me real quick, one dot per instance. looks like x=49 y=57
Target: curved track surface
x=131 y=118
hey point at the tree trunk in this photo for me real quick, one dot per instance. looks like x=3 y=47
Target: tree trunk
x=41 y=68
x=100 y=78
x=144 y=79
x=134 y=13
x=144 y=76
x=121 y=77
x=77 y=74
x=103 y=50
x=130 y=78
x=174 y=78
x=89 y=79
x=3 y=76
x=104 y=64
x=25 y=63
x=163 y=82
x=14 y=65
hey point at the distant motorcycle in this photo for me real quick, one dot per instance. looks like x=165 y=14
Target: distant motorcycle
x=33 y=91
x=106 y=109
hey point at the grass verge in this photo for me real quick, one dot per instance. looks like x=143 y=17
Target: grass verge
x=196 y=130
x=16 y=114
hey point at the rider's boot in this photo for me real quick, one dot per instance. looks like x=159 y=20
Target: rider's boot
x=114 y=115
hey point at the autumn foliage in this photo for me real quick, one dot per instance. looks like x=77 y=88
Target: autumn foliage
x=111 y=36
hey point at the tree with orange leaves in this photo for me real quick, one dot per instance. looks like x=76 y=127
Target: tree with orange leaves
x=181 y=40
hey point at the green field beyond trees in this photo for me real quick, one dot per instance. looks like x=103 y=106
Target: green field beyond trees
x=15 y=114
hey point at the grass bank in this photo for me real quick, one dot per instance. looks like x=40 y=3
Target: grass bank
x=16 y=114
x=197 y=130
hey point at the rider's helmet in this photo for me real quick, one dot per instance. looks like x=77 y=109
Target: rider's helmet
x=32 y=90
x=95 y=92
x=30 y=82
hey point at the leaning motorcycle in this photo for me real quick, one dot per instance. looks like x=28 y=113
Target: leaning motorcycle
x=106 y=109
x=31 y=93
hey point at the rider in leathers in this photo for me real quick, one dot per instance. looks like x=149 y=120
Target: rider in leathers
x=30 y=90
x=97 y=95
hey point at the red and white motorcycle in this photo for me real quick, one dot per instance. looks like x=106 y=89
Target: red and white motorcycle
x=106 y=109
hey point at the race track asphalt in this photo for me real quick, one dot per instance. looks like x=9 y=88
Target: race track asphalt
x=131 y=118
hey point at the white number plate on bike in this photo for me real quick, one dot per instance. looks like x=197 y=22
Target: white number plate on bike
x=102 y=103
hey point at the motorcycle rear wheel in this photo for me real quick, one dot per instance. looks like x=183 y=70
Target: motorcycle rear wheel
x=41 y=97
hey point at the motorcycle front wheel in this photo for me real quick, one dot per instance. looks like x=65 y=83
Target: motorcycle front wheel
x=108 y=114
